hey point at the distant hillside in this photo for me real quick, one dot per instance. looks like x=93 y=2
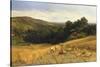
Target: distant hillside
x=25 y=23
x=21 y=26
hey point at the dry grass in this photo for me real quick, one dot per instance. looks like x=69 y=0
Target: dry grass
x=80 y=50
x=88 y=43
x=27 y=54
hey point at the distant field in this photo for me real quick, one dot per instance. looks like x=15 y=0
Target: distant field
x=79 y=50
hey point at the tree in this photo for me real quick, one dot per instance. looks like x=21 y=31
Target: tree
x=80 y=24
x=74 y=29
x=90 y=29
x=84 y=21
x=68 y=25
x=67 y=29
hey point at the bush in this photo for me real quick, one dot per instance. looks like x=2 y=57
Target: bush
x=77 y=35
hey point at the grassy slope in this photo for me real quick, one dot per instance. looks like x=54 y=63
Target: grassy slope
x=79 y=50
x=25 y=23
x=22 y=24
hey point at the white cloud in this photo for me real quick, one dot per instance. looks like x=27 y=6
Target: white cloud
x=54 y=12
x=57 y=15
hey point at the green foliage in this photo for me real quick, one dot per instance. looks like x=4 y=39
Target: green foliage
x=35 y=30
x=76 y=36
x=90 y=29
x=69 y=25
x=26 y=29
x=79 y=28
x=84 y=21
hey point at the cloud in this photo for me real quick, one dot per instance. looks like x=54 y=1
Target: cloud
x=53 y=12
x=60 y=16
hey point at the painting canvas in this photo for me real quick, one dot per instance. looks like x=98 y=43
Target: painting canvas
x=52 y=33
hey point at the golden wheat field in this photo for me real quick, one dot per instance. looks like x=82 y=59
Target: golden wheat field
x=79 y=50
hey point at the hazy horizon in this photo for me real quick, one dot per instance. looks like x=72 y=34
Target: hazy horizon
x=51 y=12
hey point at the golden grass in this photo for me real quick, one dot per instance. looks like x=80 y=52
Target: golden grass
x=27 y=54
x=88 y=43
x=80 y=50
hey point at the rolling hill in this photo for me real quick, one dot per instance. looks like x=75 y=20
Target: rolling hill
x=26 y=23
x=23 y=26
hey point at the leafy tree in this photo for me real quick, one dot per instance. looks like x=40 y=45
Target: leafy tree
x=90 y=29
x=68 y=27
x=80 y=24
x=84 y=21
x=74 y=29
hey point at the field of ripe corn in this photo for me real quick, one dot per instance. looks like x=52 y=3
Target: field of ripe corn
x=80 y=50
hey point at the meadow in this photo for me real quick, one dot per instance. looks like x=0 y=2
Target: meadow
x=75 y=51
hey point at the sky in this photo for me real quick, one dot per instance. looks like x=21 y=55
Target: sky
x=53 y=12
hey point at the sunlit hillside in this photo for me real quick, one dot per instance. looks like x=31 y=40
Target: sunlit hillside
x=79 y=50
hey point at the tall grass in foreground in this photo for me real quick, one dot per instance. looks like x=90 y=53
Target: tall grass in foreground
x=80 y=50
